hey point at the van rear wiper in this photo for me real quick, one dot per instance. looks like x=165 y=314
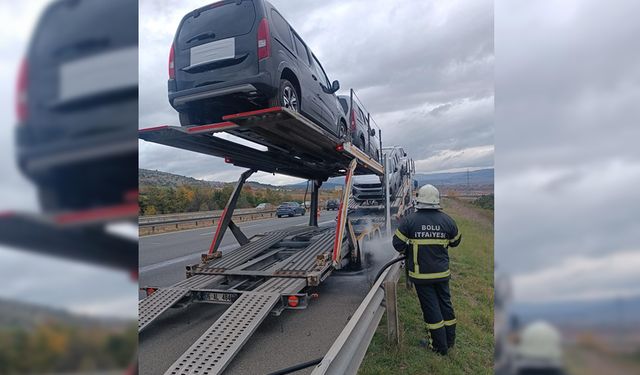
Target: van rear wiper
x=201 y=36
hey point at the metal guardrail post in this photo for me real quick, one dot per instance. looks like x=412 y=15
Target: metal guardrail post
x=391 y=302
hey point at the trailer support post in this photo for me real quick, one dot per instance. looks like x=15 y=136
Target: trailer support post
x=315 y=193
x=387 y=198
x=227 y=214
x=341 y=224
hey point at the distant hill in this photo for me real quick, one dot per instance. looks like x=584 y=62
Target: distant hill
x=164 y=179
x=24 y=315
x=148 y=177
x=479 y=177
x=156 y=178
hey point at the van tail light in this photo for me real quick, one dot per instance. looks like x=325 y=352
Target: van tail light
x=353 y=120
x=21 y=91
x=264 y=43
x=172 y=63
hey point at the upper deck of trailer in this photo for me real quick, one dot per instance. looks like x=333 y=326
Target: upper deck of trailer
x=295 y=146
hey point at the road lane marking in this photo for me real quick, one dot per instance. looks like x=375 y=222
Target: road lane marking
x=183 y=258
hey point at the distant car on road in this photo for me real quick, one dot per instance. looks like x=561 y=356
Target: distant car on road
x=290 y=209
x=77 y=105
x=239 y=55
x=363 y=136
x=263 y=206
x=332 y=204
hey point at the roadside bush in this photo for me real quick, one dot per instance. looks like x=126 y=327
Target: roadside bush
x=485 y=201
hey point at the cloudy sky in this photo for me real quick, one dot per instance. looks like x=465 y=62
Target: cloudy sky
x=26 y=276
x=424 y=69
x=568 y=160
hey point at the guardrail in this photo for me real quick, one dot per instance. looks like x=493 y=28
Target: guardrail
x=347 y=352
x=175 y=222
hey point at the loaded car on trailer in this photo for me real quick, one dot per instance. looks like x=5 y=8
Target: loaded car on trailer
x=363 y=136
x=241 y=55
x=76 y=133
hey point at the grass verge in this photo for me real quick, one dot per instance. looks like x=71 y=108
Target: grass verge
x=472 y=294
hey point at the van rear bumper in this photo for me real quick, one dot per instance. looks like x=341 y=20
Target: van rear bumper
x=260 y=84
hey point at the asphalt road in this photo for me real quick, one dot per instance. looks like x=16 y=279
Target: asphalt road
x=295 y=336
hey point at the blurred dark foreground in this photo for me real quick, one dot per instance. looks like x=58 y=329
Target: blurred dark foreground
x=74 y=141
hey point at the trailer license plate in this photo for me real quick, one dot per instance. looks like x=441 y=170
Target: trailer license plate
x=221 y=297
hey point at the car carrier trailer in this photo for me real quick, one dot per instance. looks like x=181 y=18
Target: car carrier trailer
x=272 y=271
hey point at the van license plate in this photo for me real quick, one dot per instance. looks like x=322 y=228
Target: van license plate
x=214 y=51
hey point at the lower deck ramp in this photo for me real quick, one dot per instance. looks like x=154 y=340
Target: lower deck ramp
x=217 y=347
x=162 y=299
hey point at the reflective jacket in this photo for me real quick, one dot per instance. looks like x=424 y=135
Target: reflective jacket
x=424 y=236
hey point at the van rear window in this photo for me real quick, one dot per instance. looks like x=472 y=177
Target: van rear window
x=218 y=21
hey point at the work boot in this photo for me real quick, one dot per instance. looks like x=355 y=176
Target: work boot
x=451 y=335
x=436 y=341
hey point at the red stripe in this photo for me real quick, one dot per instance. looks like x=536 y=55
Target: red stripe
x=219 y=125
x=215 y=238
x=124 y=210
x=153 y=128
x=252 y=113
x=7 y=214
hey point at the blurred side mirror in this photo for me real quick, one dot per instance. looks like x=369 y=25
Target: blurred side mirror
x=335 y=86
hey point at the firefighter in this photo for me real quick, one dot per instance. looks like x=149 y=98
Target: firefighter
x=424 y=237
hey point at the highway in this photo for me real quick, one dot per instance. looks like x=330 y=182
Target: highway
x=294 y=337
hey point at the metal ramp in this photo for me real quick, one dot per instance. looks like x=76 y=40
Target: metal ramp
x=162 y=299
x=217 y=347
x=295 y=145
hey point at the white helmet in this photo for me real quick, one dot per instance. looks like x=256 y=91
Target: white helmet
x=428 y=198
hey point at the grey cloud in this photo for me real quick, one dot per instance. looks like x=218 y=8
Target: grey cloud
x=567 y=161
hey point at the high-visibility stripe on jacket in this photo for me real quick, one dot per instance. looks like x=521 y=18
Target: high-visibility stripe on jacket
x=425 y=236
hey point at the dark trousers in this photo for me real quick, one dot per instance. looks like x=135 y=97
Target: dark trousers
x=439 y=317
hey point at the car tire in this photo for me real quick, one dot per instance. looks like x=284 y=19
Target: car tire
x=342 y=128
x=279 y=216
x=292 y=215
x=288 y=97
x=363 y=144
